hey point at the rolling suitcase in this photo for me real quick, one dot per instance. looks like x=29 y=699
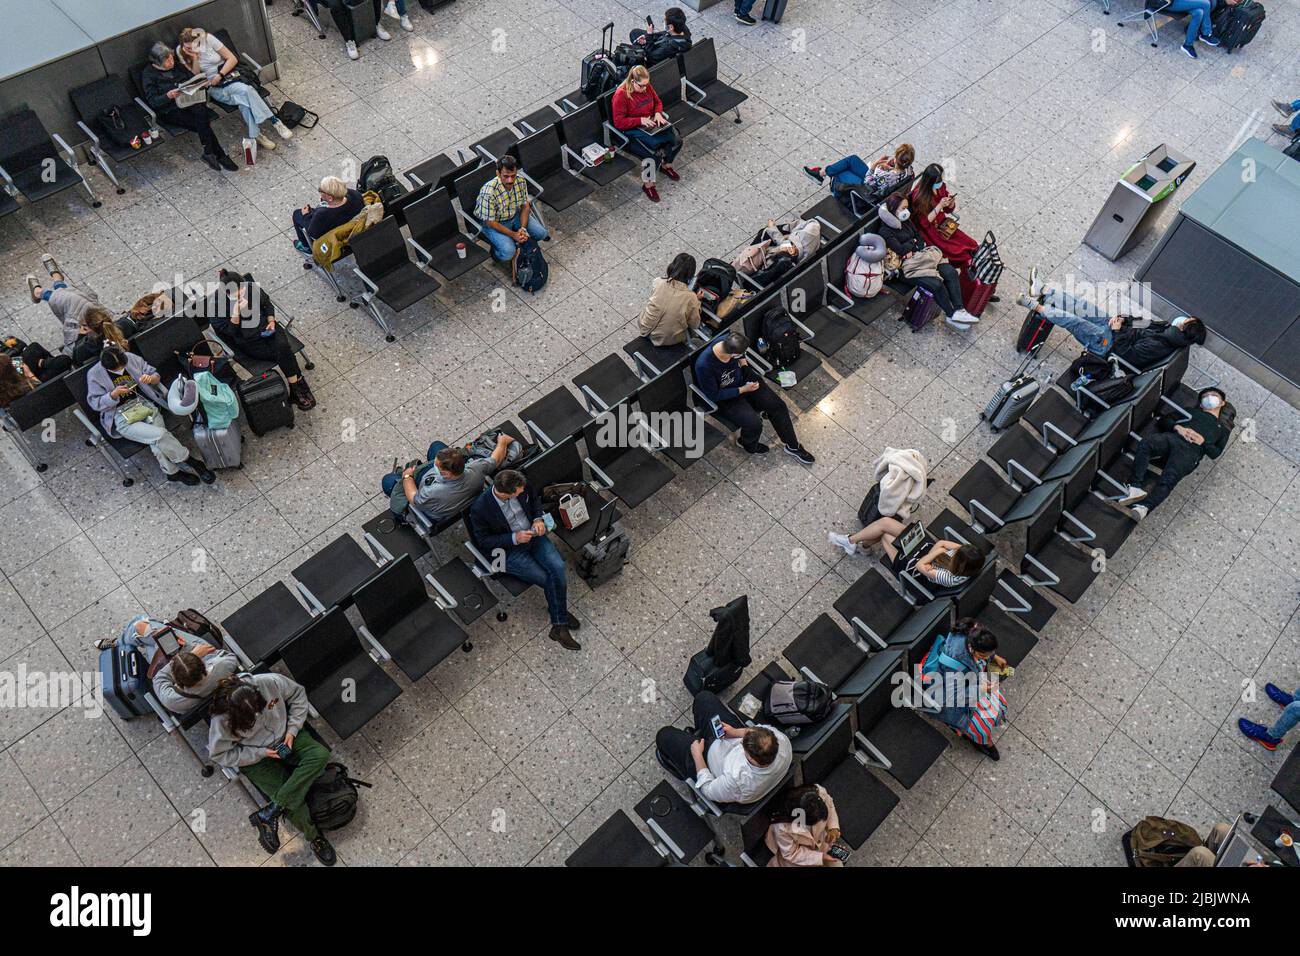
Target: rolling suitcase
x=606 y=52
x=362 y=14
x=920 y=308
x=220 y=447
x=1014 y=396
x=124 y=683
x=774 y=10
x=265 y=401
x=1033 y=332
x=601 y=560
x=975 y=294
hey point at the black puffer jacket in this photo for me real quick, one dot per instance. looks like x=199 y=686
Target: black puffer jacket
x=900 y=237
x=1148 y=347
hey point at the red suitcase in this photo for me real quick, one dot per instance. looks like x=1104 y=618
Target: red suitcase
x=975 y=295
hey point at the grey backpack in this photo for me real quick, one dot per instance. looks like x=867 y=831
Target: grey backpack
x=797 y=703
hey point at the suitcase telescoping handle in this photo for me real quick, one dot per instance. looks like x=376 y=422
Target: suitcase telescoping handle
x=607 y=37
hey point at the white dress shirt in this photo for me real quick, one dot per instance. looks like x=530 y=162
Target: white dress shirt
x=731 y=778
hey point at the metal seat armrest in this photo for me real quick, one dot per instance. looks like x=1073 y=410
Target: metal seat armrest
x=640 y=359
x=915 y=581
x=763 y=364
x=482 y=565
x=420 y=251
x=444 y=599
x=976 y=505
x=617 y=132
x=712 y=807
x=831 y=287
x=858 y=624
x=746 y=278
x=67 y=150
x=595 y=403
x=829 y=225
x=607 y=481
x=1088 y=533
x=1052 y=576
x=374 y=644
x=365 y=278
x=90 y=133
x=1021 y=605
x=147 y=108
x=537 y=432
x=1184 y=413
x=566 y=151
x=1012 y=463
x=1048 y=425
x=708 y=404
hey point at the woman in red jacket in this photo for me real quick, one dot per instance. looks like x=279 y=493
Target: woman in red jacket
x=639 y=115
x=931 y=206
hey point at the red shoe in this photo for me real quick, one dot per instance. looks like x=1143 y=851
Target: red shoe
x=649 y=190
x=669 y=172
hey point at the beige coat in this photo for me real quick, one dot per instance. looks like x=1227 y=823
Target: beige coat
x=794 y=844
x=673 y=308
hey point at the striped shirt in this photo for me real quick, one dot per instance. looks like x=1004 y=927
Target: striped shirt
x=498 y=202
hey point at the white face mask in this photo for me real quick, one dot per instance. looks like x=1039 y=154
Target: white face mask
x=1179 y=322
x=904 y=215
x=1210 y=402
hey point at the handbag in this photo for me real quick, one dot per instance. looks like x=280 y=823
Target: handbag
x=552 y=494
x=947 y=227
x=292 y=115
x=573 y=511
x=923 y=263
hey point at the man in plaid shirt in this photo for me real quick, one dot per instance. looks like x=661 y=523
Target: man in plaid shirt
x=504 y=210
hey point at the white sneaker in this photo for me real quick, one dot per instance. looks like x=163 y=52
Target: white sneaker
x=1139 y=511
x=382 y=33
x=265 y=141
x=406 y=23
x=351 y=47
x=281 y=129
x=1133 y=495
x=965 y=317
x=390 y=9
x=956 y=323
x=1035 y=284
x=842 y=541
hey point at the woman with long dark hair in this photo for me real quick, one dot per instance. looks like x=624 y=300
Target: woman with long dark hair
x=804 y=828
x=674 y=307
x=954 y=673
x=932 y=206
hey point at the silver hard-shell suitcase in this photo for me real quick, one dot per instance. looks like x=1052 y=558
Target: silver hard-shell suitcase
x=220 y=447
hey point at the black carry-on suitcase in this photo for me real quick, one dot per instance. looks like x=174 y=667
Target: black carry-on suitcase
x=1014 y=396
x=123 y=677
x=362 y=14
x=265 y=402
x=774 y=10
x=606 y=52
x=604 y=557
x=1236 y=25
x=1033 y=332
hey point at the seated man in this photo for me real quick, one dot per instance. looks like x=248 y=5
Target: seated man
x=506 y=524
x=256 y=728
x=723 y=374
x=448 y=481
x=674 y=39
x=1270 y=737
x=741 y=766
x=1182 y=449
x=1104 y=335
x=161 y=81
x=1291 y=113
x=506 y=213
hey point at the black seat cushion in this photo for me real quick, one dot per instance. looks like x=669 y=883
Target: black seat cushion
x=405 y=286
x=828 y=653
x=375 y=690
x=831 y=332
x=421 y=639
x=718 y=97
x=35 y=184
x=687 y=119
x=560 y=190
x=909 y=743
x=616 y=842
x=637 y=475
x=861 y=801
x=473 y=597
x=444 y=260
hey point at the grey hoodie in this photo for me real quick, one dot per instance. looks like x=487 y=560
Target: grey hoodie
x=285 y=713
x=70 y=307
x=219 y=663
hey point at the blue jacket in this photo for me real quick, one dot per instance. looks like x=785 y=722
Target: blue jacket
x=957 y=713
x=488 y=527
x=718 y=380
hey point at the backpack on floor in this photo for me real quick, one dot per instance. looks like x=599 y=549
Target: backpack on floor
x=377 y=176
x=332 y=799
x=1156 y=841
x=1235 y=26
x=797 y=703
x=778 y=331
x=531 y=271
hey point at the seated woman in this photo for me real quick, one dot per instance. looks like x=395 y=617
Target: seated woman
x=674 y=308
x=804 y=829
x=16 y=380
x=30 y=364
x=900 y=235
x=190 y=677
x=123 y=388
x=877 y=179
x=338 y=204
x=251 y=330
x=205 y=55
x=948 y=564
x=639 y=115
x=932 y=207
x=954 y=675
x=256 y=728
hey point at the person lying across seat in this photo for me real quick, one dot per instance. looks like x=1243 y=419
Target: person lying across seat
x=70 y=307
x=1180 y=449
x=878 y=178
x=946 y=564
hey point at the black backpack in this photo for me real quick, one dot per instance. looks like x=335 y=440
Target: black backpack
x=332 y=799
x=603 y=76
x=782 y=338
x=377 y=176
x=628 y=55
x=1236 y=25
x=124 y=125
x=797 y=703
x=1110 y=391
x=717 y=277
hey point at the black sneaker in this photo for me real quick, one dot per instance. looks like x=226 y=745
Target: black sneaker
x=815 y=173
x=227 y=163
x=184 y=477
x=803 y=454
x=324 y=851
x=746 y=19
x=206 y=475
x=268 y=828
x=1209 y=41
x=989 y=750
x=758 y=448
x=1189 y=50
x=212 y=161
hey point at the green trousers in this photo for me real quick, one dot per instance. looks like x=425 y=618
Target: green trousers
x=287 y=786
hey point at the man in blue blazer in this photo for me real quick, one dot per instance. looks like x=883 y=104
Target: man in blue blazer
x=505 y=522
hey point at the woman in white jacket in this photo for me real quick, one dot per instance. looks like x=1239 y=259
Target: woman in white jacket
x=804 y=829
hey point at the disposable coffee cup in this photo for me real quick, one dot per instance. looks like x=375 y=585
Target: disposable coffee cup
x=460 y=249
x=1283 y=841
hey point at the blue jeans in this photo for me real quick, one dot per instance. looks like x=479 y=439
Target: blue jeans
x=1198 y=19
x=1295 y=120
x=146 y=645
x=744 y=6
x=662 y=147
x=251 y=105
x=849 y=171
x=46 y=293
x=1290 y=717
x=1081 y=319
x=538 y=562
x=503 y=246
x=390 y=480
